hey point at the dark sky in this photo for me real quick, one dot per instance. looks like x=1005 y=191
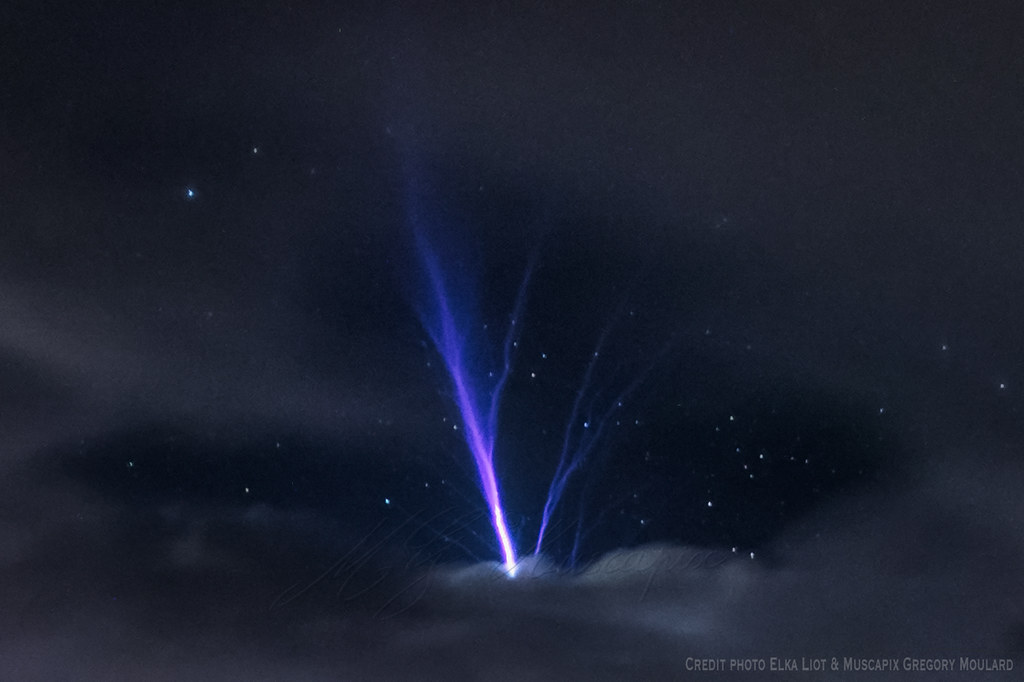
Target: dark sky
x=231 y=451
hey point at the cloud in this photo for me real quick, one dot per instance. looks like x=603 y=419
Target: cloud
x=928 y=573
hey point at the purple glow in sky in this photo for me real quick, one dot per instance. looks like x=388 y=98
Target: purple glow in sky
x=444 y=303
x=479 y=415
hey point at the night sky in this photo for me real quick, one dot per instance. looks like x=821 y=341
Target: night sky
x=792 y=235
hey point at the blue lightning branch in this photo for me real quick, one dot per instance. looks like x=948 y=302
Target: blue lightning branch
x=573 y=457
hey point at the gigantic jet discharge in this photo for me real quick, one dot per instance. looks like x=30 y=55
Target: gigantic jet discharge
x=479 y=413
x=444 y=304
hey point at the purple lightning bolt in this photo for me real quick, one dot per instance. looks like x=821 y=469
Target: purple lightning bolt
x=479 y=412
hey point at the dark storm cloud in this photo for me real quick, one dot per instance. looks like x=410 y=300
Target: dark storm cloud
x=922 y=575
